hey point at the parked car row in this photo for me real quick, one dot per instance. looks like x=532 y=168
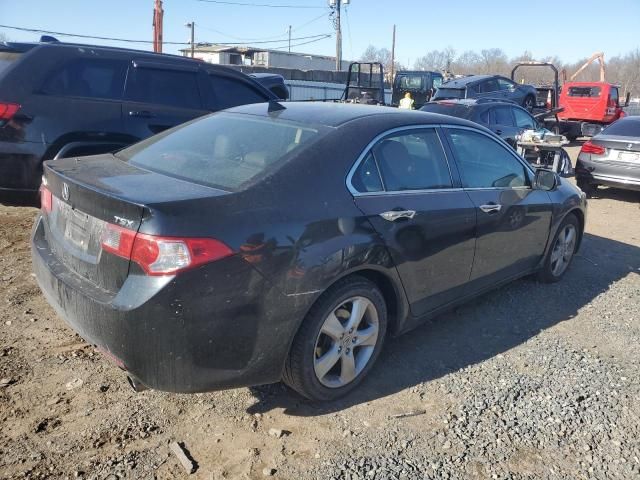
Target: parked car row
x=269 y=241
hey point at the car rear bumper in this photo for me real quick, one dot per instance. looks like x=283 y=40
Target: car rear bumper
x=219 y=326
x=608 y=173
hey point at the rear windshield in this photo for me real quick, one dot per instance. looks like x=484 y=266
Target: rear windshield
x=224 y=150
x=452 y=109
x=410 y=82
x=584 y=91
x=444 y=92
x=624 y=128
x=7 y=59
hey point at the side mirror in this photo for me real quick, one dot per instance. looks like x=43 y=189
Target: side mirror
x=545 y=180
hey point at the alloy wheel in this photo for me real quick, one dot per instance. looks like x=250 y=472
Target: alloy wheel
x=563 y=250
x=346 y=342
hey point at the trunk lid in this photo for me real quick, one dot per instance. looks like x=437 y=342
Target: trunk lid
x=91 y=192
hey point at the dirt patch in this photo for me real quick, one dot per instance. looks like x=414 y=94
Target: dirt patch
x=530 y=381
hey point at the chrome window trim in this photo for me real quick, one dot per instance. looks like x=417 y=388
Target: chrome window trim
x=369 y=148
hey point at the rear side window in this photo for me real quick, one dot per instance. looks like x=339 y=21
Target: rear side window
x=366 y=178
x=489 y=86
x=230 y=92
x=505 y=84
x=584 y=92
x=93 y=78
x=502 y=116
x=175 y=88
x=412 y=161
x=7 y=59
x=225 y=151
x=624 y=128
x=485 y=163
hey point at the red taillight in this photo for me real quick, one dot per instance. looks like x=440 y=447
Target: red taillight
x=46 y=199
x=8 y=110
x=162 y=255
x=592 y=148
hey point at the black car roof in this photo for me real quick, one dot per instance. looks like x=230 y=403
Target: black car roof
x=465 y=81
x=333 y=114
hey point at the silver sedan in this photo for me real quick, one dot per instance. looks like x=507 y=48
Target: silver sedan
x=611 y=158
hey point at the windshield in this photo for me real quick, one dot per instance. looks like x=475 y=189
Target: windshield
x=451 y=109
x=584 y=91
x=449 y=93
x=226 y=151
x=410 y=82
x=7 y=59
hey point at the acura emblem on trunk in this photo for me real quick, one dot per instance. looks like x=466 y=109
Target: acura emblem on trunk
x=65 y=192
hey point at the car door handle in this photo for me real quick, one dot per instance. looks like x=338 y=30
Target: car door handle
x=490 y=208
x=393 y=215
x=141 y=114
x=499 y=132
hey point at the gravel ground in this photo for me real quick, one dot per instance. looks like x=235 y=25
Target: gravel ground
x=529 y=381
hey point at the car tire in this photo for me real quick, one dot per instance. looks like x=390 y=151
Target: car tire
x=588 y=188
x=327 y=360
x=561 y=253
x=529 y=103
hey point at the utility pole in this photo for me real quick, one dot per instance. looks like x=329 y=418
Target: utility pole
x=393 y=54
x=338 y=38
x=192 y=26
x=158 y=13
x=289 y=38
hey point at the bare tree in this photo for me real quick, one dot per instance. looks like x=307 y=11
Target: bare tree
x=382 y=55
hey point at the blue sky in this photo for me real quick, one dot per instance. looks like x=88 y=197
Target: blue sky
x=423 y=25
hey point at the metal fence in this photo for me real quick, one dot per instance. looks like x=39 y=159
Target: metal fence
x=304 y=90
x=633 y=109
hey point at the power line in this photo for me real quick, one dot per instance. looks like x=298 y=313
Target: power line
x=269 y=5
x=320 y=36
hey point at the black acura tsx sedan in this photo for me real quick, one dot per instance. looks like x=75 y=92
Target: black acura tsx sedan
x=271 y=242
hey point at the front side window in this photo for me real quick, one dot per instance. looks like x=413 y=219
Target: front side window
x=437 y=81
x=412 y=161
x=92 y=78
x=523 y=119
x=505 y=84
x=613 y=97
x=175 y=88
x=226 y=151
x=484 y=163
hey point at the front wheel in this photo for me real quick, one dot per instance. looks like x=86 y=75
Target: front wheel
x=561 y=253
x=338 y=342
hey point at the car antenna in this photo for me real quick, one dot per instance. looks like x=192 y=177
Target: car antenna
x=275 y=106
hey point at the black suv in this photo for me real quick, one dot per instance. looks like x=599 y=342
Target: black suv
x=488 y=86
x=506 y=119
x=420 y=84
x=61 y=100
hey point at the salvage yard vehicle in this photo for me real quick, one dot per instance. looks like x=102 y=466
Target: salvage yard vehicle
x=63 y=100
x=365 y=83
x=611 y=158
x=488 y=86
x=419 y=83
x=268 y=242
x=505 y=119
x=588 y=107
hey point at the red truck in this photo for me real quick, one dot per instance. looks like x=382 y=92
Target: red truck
x=588 y=108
